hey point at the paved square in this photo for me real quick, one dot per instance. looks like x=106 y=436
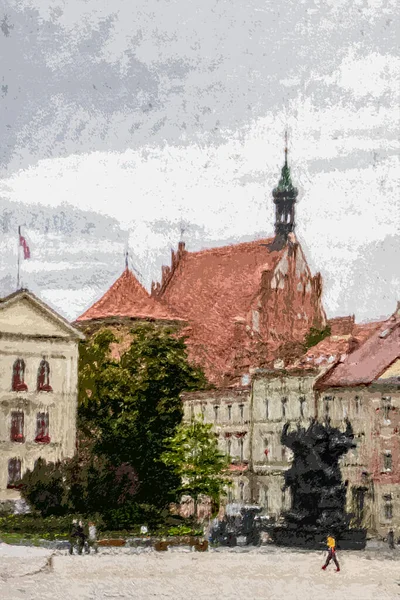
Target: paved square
x=271 y=575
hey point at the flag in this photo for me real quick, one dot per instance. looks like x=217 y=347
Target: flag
x=24 y=244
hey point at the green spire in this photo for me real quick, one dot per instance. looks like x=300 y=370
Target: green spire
x=285 y=185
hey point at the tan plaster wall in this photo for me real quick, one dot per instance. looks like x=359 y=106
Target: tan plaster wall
x=61 y=404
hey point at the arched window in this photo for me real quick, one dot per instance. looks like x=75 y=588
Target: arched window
x=43 y=380
x=18 y=376
x=17 y=427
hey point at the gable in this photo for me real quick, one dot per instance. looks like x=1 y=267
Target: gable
x=392 y=371
x=22 y=317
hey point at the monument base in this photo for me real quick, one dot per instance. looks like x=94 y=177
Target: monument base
x=312 y=539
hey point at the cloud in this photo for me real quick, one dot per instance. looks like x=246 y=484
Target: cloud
x=374 y=75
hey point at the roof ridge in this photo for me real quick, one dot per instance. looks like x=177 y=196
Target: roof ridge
x=229 y=247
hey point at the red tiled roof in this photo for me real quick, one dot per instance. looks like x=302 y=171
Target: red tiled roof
x=127 y=298
x=341 y=325
x=213 y=290
x=345 y=338
x=370 y=360
x=363 y=331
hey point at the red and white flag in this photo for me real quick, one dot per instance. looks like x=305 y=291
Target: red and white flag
x=24 y=244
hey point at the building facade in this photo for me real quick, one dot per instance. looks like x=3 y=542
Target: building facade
x=365 y=388
x=353 y=374
x=38 y=387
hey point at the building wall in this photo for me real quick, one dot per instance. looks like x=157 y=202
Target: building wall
x=257 y=475
x=61 y=403
x=373 y=467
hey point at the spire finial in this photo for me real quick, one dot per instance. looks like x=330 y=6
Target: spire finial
x=286 y=146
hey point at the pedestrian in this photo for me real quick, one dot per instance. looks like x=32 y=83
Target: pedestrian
x=80 y=534
x=390 y=539
x=331 y=543
x=92 y=538
x=73 y=533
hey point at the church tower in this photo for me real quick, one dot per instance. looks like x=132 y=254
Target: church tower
x=285 y=195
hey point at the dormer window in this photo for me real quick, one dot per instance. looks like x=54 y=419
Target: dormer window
x=18 y=376
x=43 y=380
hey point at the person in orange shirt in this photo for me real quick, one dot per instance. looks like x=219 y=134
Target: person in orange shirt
x=331 y=543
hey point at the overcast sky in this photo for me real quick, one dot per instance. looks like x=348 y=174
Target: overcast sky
x=121 y=119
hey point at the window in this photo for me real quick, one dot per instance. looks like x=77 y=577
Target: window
x=388 y=506
x=266 y=408
x=241 y=449
x=14 y=472
x=203 y=410
x=357 y=402
x=387 y=461
x=283 y=453
x=17 y=427
x=216 y=407
x=230 y=496
x=284 y=402
x=192 y=411
x=266 y=448
x=283 y=499
x=229 y=446
x=263 y=497
x=302 y=405
x=18 y=377
x=241 y=411
x=327 y=401
x=241 y=491
x=229 y=412
x=43 y=379
x=245 y=379
x=386 y=406
x=42 y=428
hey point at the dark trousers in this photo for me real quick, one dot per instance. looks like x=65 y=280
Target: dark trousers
x=331 y=556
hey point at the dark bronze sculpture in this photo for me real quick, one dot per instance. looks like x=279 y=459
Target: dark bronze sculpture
x=316 y=485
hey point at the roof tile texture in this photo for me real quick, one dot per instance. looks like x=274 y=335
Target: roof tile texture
x=127 y=298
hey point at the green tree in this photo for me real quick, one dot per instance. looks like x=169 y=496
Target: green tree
x=194 y=456
x=314 y=336
x=43 y=488
x=127 y=409
x=131 y=406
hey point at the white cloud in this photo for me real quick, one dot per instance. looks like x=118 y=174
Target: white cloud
x=372 y=75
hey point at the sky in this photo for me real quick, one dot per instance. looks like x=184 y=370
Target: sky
x=123 y=122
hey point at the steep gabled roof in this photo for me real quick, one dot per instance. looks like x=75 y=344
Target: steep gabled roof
x=213 y=289
x=369 y=361
x=127 y=298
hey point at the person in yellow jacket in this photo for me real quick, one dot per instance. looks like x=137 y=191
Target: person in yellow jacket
x=331 y=543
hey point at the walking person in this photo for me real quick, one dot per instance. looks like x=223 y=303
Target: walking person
x=73 y=535
x=331 y=543
x=80 y=534
x=390 y=539
x=92 y=538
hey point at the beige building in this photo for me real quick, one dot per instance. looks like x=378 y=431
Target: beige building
x=38 y=387
x=365 y=387
x=248 y=422
x=354 y=374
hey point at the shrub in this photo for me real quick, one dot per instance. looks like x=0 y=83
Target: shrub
x=43 y=488
x=131 y=514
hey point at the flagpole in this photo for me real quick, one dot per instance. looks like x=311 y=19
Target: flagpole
x=19 y=257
